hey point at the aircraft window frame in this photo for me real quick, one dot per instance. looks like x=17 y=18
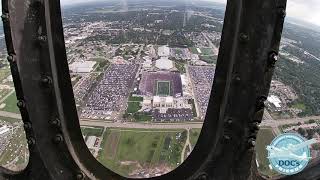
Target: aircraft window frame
x=57 y=149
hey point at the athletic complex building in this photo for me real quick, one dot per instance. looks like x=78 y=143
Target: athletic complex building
x=163 y=93
x=161 y=84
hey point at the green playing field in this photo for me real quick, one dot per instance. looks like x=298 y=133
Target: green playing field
x=163 y=88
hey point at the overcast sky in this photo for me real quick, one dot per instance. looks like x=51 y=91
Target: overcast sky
x=307 y=10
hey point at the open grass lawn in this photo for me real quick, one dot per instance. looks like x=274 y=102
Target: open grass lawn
x=133 y=98
x=265 y=136
x=11 y=104
x=194 y=135
x=139 y=147
x=194 y=50
x=102 y=65
x=92 y=131
x=133 y=107
x=299 y=106
x=206 y=51
x=163 y=88
x=209 y=59
x=142 y=117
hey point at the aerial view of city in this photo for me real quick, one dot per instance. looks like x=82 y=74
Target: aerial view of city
x=142 y=73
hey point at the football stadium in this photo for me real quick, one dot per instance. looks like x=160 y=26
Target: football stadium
x=161 y=84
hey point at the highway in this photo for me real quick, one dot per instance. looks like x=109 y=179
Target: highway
x=280 y=122
x=185 y=125
x=135 y=125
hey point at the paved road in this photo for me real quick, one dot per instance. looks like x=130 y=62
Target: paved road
x=186 y=125
x=215 y=49
x=10 y=115
x=132 y=125
x=185 y=146
x=279 y=122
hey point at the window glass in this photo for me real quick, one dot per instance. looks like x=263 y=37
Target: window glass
x=142 y=73
x=293 y=105
x=14 y=154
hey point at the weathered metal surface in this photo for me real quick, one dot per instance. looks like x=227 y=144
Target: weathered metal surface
x=225 y=150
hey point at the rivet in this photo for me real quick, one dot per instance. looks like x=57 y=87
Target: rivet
x=226 y=137
x=31 y=141
x=80 y=176
x=5 y=17
x=42 y=38
x=260 y=103
x=21 y=104
x=46 y=81
x=203 y=176
x=244 y=37
x=10 y=58
x=57 y=139
x=251 y=142
x=273 y=58
x=229 y=121
x=27 y=125
x=55 y=122
x=282 y=12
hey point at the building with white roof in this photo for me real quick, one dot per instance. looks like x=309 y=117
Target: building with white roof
x=164 y=51
x=82 y=66
x=164 y=63
x=163 y=102
x=275 y=101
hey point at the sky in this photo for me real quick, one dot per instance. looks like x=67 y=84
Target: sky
x=305 y=10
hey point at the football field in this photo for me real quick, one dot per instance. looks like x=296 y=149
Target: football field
x=163 y=88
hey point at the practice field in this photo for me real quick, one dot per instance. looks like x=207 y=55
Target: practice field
x=194 y=135
x=125 y=150
x=265 y=136
x=163 y=88
x=11 y=104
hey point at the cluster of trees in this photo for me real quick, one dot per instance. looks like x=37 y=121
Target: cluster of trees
x=304 y=79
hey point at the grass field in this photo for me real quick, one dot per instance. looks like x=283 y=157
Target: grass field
x=92 y=131
x=209 y=59
x=125 y=150
x=137 y=99
x=194 y=135
x=206 y=51
x=11 y=104
x=265 y=136
x=142 y=117
x=133 y=107
x=194 y=50
x=163 y=88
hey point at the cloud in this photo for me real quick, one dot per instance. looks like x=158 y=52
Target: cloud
x=306 y=10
